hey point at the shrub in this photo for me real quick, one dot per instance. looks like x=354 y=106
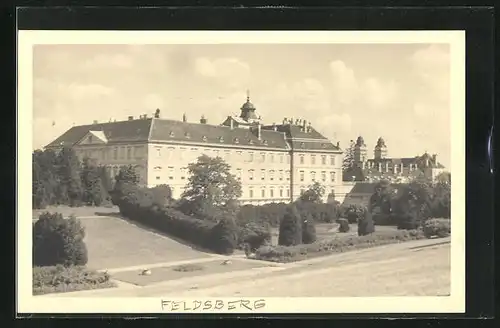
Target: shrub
x=56 y=279
x=224 y=236
x=335 y=245
x=308 y=231
x=344 y=225
x=290 y=230
x=437 y=227
x=254 y=235
x=365 y=224
x=58 y=241
x=353 y=213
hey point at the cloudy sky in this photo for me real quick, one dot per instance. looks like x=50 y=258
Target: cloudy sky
x=397 y=91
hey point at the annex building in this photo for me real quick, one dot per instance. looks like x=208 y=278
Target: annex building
x=274 y=162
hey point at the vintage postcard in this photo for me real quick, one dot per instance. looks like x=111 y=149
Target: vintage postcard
x=241 y=172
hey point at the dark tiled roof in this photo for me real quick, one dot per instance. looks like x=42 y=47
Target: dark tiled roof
x=297 y=132
x=134 y=130
x=165 y=130
x=368 y=187
x=420 y=160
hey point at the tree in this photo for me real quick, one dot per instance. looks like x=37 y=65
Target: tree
x=348 y=161
x=413 y=204
x=70 y=189
x=441 y=202
x=211 y=188
x=314 y=194
x=224 y=236
x=365 y=224
x=44 y=180
x=290 y=230
x=380 y=205
x=94 y=193
x=126 y=176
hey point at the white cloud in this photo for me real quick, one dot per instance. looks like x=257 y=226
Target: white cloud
x=378 y=93
x=231 y=72
x=344 y=83
x=84 y=92
x=153 y=101
x=105 y=61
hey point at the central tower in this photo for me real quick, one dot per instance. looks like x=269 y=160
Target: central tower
x=248 y=111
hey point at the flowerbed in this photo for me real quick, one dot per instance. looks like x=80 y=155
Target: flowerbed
x=337 y=244
x=60 y=279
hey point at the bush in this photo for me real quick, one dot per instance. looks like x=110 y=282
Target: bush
x=58 y=241
x=293 y=253
x=365 y=224
x=290 y=230
x=254 y=235
x=437 y=227
x=308 y=231
x=352 y=213
x=57 y=279
x=224 y=236
x=344 y=225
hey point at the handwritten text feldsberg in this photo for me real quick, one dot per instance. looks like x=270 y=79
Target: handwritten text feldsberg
x=170 y=305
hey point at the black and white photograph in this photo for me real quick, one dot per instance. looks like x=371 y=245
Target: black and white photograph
x=252 y=172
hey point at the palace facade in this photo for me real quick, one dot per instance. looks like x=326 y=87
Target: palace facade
x=397 y=170
x=274 y=162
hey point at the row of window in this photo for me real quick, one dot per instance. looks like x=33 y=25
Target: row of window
x=272 y=194
x=115 y=153
x=250 y=156
x=395 y=168
x=322 y=159
x=322 y=176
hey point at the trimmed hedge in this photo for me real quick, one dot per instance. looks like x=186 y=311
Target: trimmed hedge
x=254 y=235
x=285 y=254
x=59 y=279
x=343 y=225
x=437 y=227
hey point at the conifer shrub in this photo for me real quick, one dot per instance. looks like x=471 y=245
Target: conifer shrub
x=365 y=224
x=343 y=225
x=224 y=236
x=254 y=235
x=58 y=241
x=308 y=230
x=290 y=229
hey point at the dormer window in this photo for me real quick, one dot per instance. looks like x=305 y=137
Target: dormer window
x=171 y=133
x=187 y=135
x=302 y=145
x=221 y=139
x=236 y=140
x=323 y=145
x=250 y=142
x=204 y=138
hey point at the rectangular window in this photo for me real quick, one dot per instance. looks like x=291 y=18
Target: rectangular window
x=271 y=192
x=323 y=160
x=302 y=191
x=250 y=157
x=115 y=154
x=158 y=152
x=271 y=175
x=323 y=176
x=287 y=175
x=263 y=174
x=281 y=158
x=288 y=159
x=281 y=192
x=288 y=193
x=301 y=175
x=183 y=173
x=281 y=175
x=227 y=155
x=129 y=153
x=157 y=178
x=271 y=159
x=238 y=174
x=301 y=159
x=250 y=174
x=250 y=193
x=313 y=159
x=313 y=176
x=332 y=176
x=332 y=160
x=171 y=173
x=263 y=157
x=240 y=154
x=263 y=193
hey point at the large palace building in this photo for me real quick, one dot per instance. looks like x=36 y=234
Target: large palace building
x=394 y=169
x=274 y=163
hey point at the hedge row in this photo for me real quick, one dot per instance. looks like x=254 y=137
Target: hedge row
x=285 y=254
x=59 y=279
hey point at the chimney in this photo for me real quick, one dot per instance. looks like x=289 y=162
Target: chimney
x=95 y=121
x=184 y=118
x=309 y=127
x=157 y=113
x=231 y=122
x=434 y=158
x=275 y=128
x=338 y=144
x=203 y=120
x=285 y=121
x=258 y=131
x=304 y=124
x=130 y=118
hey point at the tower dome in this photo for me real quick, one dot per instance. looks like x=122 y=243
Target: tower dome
x=248 y=110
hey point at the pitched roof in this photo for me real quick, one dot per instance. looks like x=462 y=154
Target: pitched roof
x=420 y=160
x=166 y=130
x=300 y=138
x=368 y=187
x=133 y=130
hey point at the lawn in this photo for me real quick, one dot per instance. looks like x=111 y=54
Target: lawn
x=329 y=230
x=115 y=243
x=190 y=270
x=77 y=211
